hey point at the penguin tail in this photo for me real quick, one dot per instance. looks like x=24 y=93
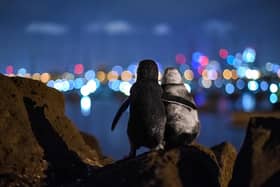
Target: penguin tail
x=123 y=107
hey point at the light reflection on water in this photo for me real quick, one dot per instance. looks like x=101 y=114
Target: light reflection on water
x=215 y=127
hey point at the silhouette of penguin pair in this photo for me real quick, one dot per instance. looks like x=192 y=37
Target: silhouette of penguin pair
x=160 y=116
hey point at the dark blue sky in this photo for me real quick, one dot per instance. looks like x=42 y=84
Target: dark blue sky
x=53 y=35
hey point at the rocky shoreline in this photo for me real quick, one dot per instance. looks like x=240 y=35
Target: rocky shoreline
x=40 y=146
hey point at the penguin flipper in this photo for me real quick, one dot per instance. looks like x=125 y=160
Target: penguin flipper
x=123 y=107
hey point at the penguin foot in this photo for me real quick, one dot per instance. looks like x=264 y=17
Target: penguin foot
x=159 y=147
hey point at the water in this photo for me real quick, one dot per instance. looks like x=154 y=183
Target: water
x=215 y=127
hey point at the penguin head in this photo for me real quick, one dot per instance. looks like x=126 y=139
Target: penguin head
x=147 y=70
x=172 y=76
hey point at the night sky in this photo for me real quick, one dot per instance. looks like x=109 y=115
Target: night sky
x=53 y=35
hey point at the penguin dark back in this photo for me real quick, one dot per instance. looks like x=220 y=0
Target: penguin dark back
x=146 y=124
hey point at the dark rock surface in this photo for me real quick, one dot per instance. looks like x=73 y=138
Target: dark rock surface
x=40 y=146
x=258 y=163
x=38 y=143
x=193 y=165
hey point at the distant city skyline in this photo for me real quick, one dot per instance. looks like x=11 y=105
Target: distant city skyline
x=54 y=36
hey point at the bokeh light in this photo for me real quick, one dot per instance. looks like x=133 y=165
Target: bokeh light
x=230 y=59
x=203 y=60
x=269 y=66
x=249 y=55
x=264 y=86
x=252 y=74
x=21 y=72
x=10 y=69
x=227 y=74
x=117 y=69
x=180 y=58
x=188 y=75
x=218 y=83
x=78 y=69
x=79 y=82
x=206 y=83
x=45 y=77
x=101 y=76
x=85 y=90
x=36 y=76
x=90 y=74
x=240 y=84
x=68 y=76
x=241 y=71
x=85 y=105
x=125 y=87
x=248 y=102
x=273 y=98
x=253 y=85
x=234 y=75
x=50 y=84
x=114 y=85
x=133 y=68
x=273 y=88
x=112 y=75
x=196 y=56
x=212 y=74
x=126 y=76
x=229 y=88
x=223 y=53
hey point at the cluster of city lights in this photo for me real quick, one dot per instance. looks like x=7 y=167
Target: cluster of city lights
x=239 y=75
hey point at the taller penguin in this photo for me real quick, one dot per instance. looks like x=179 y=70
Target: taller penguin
x=147 y=118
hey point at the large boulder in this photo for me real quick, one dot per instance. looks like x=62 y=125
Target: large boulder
x=192 y=166
x=38 y=143
x=258 y=163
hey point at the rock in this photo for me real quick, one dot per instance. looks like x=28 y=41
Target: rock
x=40 y=146
x=193 y=165
x=258 y=163
x=226 y=155
x=92 y=142
x=20 y=153
x=38 y=143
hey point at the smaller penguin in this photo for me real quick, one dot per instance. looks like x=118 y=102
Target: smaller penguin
x=183 y=124
x=147 y=117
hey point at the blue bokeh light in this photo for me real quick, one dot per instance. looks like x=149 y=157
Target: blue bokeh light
x=230 y=59
x=90 y=74
x=253 y=85
x=118 y=69
x=240 y=84
x=229 y=88
x=79 y=82
x=241 y=71
x=132 y=68
x=249 y=55
x=50 y=84
x=264 y=86
x=21 y=71
x=114 y=85
x=196 y=56
x=248 y=102
x=218 y=83
x=273 y=98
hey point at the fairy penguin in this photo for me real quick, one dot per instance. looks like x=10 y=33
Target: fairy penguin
x=147 y=119
x=182 y=125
